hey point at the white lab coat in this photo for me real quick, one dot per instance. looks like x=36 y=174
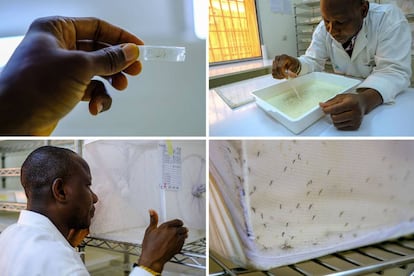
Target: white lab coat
x=34 y=246
x=381 y=55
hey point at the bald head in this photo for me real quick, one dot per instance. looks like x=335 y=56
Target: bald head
x=43 y=166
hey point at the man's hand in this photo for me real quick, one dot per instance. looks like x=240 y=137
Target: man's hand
x=51 y=70
x=161 y=243
x=347 y=110
x=284 y=66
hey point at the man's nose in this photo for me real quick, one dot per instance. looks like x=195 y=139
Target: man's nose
x=94 y=197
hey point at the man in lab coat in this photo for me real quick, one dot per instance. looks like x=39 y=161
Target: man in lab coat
x=363 y=40
x=60 y=205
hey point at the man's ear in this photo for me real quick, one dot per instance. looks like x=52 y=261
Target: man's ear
x=364 y=9
x=58 y=190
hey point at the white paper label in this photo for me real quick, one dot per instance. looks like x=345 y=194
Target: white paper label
x=171 y=167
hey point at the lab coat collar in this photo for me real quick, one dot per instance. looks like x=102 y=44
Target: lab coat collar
x=36 y=220
x=361 y=41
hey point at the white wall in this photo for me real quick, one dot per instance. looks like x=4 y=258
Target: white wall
x=278 y=30
x=166 y=98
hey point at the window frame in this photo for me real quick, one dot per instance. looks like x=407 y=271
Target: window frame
x=260 y=38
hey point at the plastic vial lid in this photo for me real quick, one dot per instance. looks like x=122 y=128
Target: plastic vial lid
x=161 y=53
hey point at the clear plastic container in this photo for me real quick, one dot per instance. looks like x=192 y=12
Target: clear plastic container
x=161 y=53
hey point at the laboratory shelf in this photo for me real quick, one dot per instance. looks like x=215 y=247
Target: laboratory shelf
x=306 y=4
x=306 y=32
x=395 y=257
x=12 y=206
x=309 y=23
x=307 y=17
x=192 y=255
x=10 y=172
x=306 y=14
x=12 y=146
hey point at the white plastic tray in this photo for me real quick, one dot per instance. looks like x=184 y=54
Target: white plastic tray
x=299 y=124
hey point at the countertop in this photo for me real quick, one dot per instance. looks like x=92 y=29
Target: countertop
x=251 y=121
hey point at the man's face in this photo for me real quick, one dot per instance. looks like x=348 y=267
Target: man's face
x=82 y=197
x=343 y=18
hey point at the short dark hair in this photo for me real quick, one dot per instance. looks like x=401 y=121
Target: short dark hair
x=43 y=166
x=360 y=2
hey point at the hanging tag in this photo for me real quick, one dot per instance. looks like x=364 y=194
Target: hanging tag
x=171 y=167
x=169 y=147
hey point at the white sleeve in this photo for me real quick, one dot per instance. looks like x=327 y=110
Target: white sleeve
x=392 y=70
x=137 y=271
x=317 y=54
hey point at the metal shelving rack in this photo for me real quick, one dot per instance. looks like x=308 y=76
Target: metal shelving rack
x=192 y=255
x=307 y=17
x=4 y=172
x=387 y=258
x=12 y=206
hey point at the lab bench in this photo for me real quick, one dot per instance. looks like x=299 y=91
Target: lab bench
x=249 y=120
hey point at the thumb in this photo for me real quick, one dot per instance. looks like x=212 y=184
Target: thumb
x=153 y=219
x=98 y=97
x=111 y=60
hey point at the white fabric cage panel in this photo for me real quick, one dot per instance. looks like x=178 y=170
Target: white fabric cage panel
x=127 y=176
x=274 y=203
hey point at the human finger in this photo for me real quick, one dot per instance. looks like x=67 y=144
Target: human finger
x=342 y=117
x=334 y=106
x=111 y=60
x=348 y=125
x=342 y=125
x=347 y=120
x=283 y=67
x=100 y=30
x=134 y=69
x=88 y=45
x=173 y=223
x=118 y=81
x=153 y=219
x=330 y=102
x=182 y=232
x=277 y=68
x=290 y=74
x=98 y=97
